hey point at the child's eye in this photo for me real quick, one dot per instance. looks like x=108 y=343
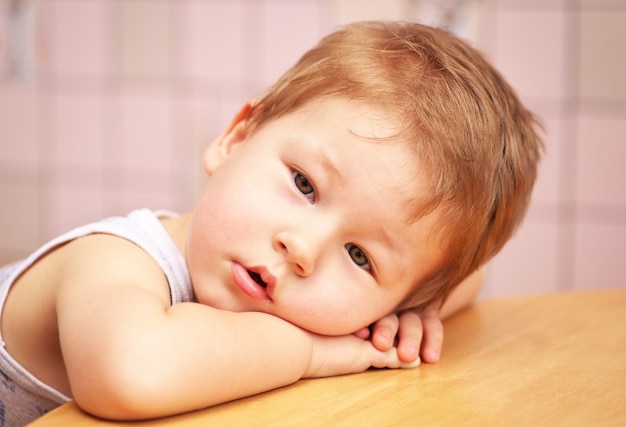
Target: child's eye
x=304 y=186
x=358 y=256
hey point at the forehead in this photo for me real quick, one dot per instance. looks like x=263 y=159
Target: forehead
x=353 y=136
x=365 y=119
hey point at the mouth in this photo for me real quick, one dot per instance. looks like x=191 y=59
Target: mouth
x=257 y=278
x=257 y=282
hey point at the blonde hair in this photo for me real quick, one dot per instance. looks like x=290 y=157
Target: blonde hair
x=465 y=123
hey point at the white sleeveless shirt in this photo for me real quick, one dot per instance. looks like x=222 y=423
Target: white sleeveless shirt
x=23 y=397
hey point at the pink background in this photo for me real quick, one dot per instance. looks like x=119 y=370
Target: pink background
x=125 y=94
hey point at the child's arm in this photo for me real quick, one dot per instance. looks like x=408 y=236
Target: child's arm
x=131 y=355
x=463 y=295
x=420 y=334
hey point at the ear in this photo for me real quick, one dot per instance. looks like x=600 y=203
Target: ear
x=234 y=135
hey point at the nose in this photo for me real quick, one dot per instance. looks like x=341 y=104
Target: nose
x=299 y=250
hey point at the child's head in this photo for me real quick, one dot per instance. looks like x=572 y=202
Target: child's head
x=465 y=124
x=389 y=163
x=290 y=221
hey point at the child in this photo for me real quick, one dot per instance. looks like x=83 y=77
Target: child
x=384 y=168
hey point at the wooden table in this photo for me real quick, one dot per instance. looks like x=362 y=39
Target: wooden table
x=549 y=360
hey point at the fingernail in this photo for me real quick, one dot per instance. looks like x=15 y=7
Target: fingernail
x=386 y=335
x=412 y=350
x=433 y=355
x=413 y=364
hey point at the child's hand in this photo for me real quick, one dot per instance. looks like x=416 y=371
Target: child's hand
x=415 y=334
x=420 y=333
x=349 y=354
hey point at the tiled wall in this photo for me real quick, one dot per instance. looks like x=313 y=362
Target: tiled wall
x=113 y=102
x=568 y=61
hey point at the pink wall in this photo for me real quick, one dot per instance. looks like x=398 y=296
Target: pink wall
x=128 y=92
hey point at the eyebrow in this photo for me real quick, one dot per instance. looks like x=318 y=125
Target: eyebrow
x=389 y=241
x=327 y=163
x=392 y=248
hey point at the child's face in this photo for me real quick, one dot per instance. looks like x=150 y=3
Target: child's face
x=307 y=220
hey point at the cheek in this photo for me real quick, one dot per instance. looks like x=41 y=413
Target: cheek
x=225 y=210
x=334 y=312
x=326 y=322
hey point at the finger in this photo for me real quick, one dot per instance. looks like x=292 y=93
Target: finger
x=386 y=359
x=433 y=339
x=362 y=333
x=384 y=332
x=409 y=365
x=409 y=336
x=392 y=360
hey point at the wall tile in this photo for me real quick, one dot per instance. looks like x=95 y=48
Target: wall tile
x=547 y=188
x=136 y=188
x=79 y=34
x=195 y=130
x=344 y=11
x=599 y=261
x=602 y=3
x=600 y=173
x=144 y=38
x=531 y=4
x=529 y=49
x=18 y=124
x=20 y=220
x=212 y=42
x=527 y=264
x=142 y=117
x=290 y=29
x=79 y=126
x=69 y=207
x=602 y=59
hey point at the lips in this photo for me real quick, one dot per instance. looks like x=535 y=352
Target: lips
x=255 y=282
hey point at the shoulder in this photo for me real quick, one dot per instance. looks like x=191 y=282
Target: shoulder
x=105 y=260
x=83 y=280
